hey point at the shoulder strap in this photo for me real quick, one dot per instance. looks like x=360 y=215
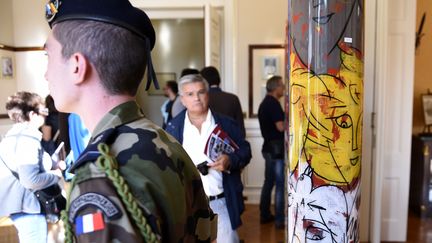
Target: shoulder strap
x=40 y=152
x=91 y=152
x=14 y=173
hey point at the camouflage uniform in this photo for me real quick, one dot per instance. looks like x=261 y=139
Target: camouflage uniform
x=161 y=177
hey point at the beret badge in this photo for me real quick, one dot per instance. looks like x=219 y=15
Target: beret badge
x=51 y=9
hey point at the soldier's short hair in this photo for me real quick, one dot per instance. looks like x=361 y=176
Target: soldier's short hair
x=118 y=55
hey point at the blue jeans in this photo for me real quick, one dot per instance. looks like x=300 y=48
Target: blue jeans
x=30 y=227
x=274 y=174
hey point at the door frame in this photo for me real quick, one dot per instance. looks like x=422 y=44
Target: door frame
x=189 y=8
x=388 y=26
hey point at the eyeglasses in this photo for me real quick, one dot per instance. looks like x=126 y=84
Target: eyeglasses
x=51 y=9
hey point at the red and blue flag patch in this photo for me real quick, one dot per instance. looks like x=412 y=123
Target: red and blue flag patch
x=89 y=223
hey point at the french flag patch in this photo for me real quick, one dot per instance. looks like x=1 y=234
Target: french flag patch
x=89 y=223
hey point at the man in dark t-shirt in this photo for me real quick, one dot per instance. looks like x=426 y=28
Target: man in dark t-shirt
x=271 y=120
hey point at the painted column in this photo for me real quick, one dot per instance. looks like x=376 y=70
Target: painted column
x=325 y=75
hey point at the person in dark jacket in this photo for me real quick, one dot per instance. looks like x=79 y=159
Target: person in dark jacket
x=220 y=101
x=219 y=162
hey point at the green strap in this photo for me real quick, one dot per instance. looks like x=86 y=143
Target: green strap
x=69 y=237
x=109 y=164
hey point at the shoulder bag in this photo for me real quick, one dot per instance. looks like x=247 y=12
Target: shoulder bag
x=50 y=198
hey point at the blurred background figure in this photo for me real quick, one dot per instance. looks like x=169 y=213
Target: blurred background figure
x=25 y=167
x=271 y=119
x=187 y=71
x=223 y=102
x=79 y=137
x=170 y=91
x=50 y=129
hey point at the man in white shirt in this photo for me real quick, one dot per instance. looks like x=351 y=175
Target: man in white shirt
x=221 y=176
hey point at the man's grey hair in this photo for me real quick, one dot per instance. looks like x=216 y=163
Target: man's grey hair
x=273 y=83
x=118 y=55
x=192 y=78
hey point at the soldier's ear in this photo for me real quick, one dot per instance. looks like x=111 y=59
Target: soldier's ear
x=79 y=67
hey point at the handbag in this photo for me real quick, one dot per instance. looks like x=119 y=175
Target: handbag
x=52 y=202
x=50 y=199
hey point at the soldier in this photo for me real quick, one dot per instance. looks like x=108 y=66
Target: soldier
x=134 y=182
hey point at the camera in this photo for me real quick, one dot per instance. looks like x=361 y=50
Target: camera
x=203 y=168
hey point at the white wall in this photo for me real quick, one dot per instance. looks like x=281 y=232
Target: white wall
x=258 y=22
x=6 y=23
x=29 y=25
x=8 y=85
x=30 y=30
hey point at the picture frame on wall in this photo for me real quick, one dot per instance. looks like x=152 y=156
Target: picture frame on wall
x=270 y=66
x=7 y=69
x=265 y=61
x=427 y=108
x=162 y=78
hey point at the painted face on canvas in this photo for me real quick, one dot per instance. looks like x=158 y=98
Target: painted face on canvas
x=320 y=213
x=329 y=120
x=318 y=27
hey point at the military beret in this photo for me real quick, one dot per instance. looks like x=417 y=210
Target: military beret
x=117 y=12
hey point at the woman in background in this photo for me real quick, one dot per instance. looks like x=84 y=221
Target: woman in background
x=50 y=129
x=25 y=167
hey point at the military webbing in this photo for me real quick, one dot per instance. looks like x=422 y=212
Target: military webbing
x=109 y=165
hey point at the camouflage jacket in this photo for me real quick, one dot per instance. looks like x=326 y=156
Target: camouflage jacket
x=160 y=183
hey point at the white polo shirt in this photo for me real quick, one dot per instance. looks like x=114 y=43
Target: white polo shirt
x=194 y=144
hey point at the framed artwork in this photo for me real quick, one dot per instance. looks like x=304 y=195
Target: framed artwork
x=270 y=66
x=7 y=67
x=427 y=108
x=265 y=61
x=162 y=79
